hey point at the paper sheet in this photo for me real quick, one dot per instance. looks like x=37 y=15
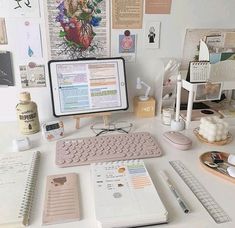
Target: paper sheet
x=19 y=8
x=28 y=38
x=76 y=33
x=158 y=6
x=127 y=14
x=204 y=52
x=229 y=40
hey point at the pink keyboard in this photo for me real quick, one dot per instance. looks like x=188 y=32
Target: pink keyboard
x=83 y=151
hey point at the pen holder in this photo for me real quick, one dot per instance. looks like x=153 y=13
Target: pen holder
x=177 y=125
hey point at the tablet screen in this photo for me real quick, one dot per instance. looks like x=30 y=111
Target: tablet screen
x=87 y=86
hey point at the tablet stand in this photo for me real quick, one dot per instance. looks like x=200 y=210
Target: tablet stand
x=105 y=116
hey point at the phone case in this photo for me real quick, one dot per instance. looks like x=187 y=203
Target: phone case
x=61 y=199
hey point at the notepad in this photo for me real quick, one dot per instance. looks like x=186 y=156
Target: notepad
x=61 y=199
x=18 y=172
x=125 y=195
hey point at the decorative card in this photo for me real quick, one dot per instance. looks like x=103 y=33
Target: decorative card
x=6 y=71
x=29 y=38
x=127 y=46
x=32 y=75
x=152 y=34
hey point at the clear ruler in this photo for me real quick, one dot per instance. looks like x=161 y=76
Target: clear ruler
x=216 y=212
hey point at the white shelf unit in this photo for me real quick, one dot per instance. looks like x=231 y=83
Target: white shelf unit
x=191 y=88
x=223 y=71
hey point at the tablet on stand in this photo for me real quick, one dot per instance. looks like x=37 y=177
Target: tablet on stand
x=86 y=87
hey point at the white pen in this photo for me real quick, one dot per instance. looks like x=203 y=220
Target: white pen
x=175 y=193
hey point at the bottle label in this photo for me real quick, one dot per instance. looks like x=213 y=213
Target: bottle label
x=28 y=118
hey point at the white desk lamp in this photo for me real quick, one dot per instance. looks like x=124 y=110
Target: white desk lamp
x=178 y=124
x=139 y=85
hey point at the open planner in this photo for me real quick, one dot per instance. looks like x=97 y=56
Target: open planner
x=125 y=195
x=18 y=172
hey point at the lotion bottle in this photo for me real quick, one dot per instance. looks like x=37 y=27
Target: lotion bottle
x=27 y=115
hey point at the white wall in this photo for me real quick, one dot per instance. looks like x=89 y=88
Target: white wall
x=184 y=14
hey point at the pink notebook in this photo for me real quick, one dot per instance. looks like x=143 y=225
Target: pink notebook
x=61 y=199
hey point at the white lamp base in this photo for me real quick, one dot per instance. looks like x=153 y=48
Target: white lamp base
x=143 y=98
x=177 y=125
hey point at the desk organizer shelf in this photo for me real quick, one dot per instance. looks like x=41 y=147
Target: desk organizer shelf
x=207 y=157
x=221 y=72
x=217 y=143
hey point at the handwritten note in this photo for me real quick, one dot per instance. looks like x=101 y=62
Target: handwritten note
x=19 y=8
x=127 y=14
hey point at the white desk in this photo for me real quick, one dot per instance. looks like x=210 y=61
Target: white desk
x=222 y=190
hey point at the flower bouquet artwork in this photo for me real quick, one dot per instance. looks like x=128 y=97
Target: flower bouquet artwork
x=77 y=19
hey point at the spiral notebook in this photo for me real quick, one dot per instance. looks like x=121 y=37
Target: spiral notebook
x=125 y=195
x=18 y=174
